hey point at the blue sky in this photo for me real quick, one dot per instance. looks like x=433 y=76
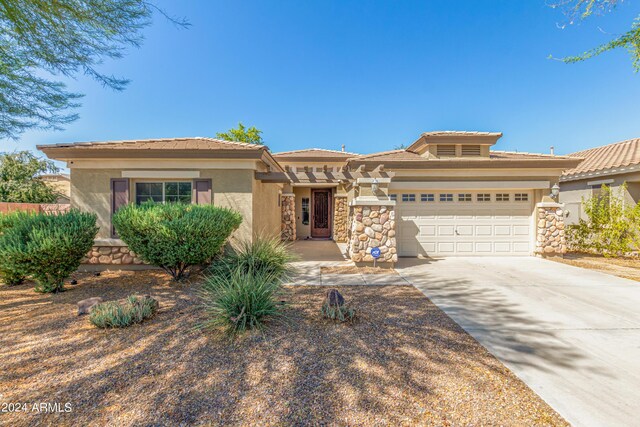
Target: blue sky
x=367 y=74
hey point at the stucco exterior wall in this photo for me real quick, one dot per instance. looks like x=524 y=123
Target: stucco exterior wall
x=91 y=192
x=572 y=192
x=302 y=230
x=231 y=188
x=266 y=209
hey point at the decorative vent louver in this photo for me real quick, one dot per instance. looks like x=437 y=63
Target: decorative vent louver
x=470 y=151
x=446 y=150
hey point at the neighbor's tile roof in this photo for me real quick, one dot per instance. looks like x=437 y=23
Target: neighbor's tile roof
x=320 y=153
x=409 y=156
x=192 y=143
x=460 y=133
x=620 y=154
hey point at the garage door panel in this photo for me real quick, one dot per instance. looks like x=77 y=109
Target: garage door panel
x=502 y=230
x=465 y=228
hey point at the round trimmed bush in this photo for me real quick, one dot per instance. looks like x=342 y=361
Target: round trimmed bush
x=47 y=248
x=175 y=236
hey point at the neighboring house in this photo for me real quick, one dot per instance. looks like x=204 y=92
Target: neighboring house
x=61 y=184
x=611 y=165
x=446 y=194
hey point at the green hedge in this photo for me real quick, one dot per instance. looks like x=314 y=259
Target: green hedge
x=47 y=248
x=175 y=236
x=10 y=273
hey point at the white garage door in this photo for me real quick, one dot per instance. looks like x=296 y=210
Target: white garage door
x=471 y=223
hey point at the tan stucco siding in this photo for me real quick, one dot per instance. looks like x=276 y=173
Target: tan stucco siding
x=302 y=230
x=91 y=192
x=233 y=189
x=266 y=209
x=572 y=192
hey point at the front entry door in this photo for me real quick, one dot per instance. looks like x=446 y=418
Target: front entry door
x=321 y=213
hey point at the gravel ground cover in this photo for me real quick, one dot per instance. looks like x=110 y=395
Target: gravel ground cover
x=629 y=268
x=403 y=363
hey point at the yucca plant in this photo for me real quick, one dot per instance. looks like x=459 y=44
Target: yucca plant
x=241 y=299
x=265 y=254
x=115 y=314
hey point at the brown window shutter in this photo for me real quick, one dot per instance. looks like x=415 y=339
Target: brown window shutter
x=201 y=192
x=119 y=197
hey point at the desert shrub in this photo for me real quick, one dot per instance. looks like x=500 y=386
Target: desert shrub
x=10 y=274
x=175 y=236
x=335 y=308
x=48 y=248
x=612 y=226
x=120 y=314
x=340 y=313
x=269 y=255
x=239 y=300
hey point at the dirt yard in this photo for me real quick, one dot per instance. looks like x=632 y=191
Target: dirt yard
x=404 y=363
x=629 y=268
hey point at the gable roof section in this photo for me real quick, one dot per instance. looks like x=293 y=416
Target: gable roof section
x=404 y=159
x=314 y=154
x=606 y=159
x=191 y=147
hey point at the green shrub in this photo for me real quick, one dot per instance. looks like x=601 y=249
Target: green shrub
x=10 y=274
x=237 y=300
x=115 y=314
x=268 y=255
x=342 y=313
x=612 y=227
x=47 y=248
x=175 y=236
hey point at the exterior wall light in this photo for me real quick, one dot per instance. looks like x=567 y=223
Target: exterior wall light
x=555 y=190
x=374 y=186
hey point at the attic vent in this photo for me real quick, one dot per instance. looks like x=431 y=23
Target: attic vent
x=446 y=150
x=470 y=151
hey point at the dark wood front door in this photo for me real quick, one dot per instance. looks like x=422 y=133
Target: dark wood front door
x=321 y=213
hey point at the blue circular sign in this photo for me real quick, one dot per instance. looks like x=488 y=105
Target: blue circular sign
x=375 y=252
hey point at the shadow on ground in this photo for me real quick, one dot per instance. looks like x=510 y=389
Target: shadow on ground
x=403 y=362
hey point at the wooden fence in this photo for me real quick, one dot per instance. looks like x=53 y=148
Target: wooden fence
x=48 y=208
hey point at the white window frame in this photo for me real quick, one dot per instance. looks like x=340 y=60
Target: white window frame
x=164 y=185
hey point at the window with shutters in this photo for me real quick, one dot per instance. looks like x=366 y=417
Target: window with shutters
x=470 y=151
x=163 y=192
x=446 y=150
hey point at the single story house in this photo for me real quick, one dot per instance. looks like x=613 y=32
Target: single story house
x=447 y=194
x=611 y=165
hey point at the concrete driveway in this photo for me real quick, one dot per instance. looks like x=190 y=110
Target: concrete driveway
x=571 y=334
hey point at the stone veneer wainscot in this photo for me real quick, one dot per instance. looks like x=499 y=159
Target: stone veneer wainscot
x=288 y=219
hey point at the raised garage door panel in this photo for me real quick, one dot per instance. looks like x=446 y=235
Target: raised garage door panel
x=464 y=228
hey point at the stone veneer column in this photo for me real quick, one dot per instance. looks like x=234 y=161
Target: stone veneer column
x=340 y=219
x=288 y=210
x=373 y=226
x=550 y=238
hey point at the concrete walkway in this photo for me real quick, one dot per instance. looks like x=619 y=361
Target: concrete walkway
x=571 y=334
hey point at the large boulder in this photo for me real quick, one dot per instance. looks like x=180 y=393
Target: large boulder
x=334 y=298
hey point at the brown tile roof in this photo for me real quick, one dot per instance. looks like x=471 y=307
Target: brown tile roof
x=618 y=155
x=409 y=156
x=192 y=143
x=320 y=153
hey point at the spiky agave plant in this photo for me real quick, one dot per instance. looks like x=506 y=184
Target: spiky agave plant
x=241 y=299
x=265 y=254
